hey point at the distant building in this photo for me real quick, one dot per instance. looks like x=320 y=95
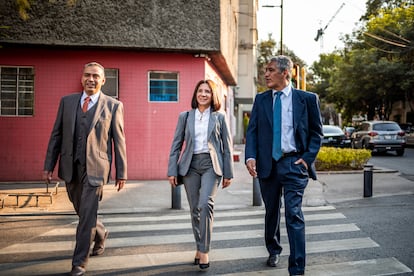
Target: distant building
x=246 y=90
x=154 y=52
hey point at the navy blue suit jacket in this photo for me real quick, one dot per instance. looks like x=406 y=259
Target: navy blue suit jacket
x=307 y=124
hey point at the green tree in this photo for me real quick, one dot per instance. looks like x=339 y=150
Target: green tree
x=322 y=71
x=267 y=49
x=376 y=68
x=374 y=7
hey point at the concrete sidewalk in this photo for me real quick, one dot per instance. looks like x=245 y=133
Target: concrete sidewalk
x=156 y=195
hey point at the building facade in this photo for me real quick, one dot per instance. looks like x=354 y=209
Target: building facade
x=154 y=53
x=246 y=90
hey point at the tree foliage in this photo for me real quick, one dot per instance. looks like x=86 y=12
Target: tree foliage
x=267 y=49
x=376 y=67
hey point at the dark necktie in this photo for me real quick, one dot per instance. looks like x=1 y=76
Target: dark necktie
x=277 y=127
x=85 y=104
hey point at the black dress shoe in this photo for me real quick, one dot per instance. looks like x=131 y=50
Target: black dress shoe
x=273 y=260
x=196 y=261
x=99 y=247
x=204 y=267
x=77 y=271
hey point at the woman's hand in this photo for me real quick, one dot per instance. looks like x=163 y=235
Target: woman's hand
x=173 y=181
x=226 y=182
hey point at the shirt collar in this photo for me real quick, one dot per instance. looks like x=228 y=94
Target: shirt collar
x=286 y=91
x=94 y=98
x=206 y=111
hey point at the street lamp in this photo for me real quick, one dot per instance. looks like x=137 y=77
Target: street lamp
x=281 y=22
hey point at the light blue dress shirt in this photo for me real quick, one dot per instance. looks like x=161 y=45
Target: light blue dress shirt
x=288 y=138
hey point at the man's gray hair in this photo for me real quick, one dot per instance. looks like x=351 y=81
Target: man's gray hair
x=94 y=63
x=283 y=63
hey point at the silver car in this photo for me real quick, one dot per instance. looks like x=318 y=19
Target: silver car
x=409 y=133
x=379 y=136
x=410 y=137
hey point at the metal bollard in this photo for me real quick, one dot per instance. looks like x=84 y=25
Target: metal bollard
x=257 y=199
x=368 y=180
x=176 y=197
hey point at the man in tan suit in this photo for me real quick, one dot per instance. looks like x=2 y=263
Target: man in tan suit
x=88 y=127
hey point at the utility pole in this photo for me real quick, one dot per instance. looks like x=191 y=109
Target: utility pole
x=281 y=22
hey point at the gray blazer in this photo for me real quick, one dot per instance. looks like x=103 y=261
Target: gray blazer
x=105 y=134
x=219 y=144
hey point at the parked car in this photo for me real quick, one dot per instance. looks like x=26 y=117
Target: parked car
x=333 y=136
x=407 y=127
x=379 y=136
x=409 y=137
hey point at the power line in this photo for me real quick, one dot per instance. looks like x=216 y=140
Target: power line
x=385 y=40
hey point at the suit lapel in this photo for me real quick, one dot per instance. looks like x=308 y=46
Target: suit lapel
x=191 y=123
x=74 y=107
x=268 y=105
x=298 y=106
x=99 y=106
x=211 y=124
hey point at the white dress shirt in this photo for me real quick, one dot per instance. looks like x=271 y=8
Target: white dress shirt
x=94 y=99
x=201 y=129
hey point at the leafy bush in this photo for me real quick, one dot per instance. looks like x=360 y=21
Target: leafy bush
x=334 y=159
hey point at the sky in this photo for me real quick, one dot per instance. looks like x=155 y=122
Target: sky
x=303 y=18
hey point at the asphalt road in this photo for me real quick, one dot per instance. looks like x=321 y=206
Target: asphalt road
x=404 y=164
x=388 y=221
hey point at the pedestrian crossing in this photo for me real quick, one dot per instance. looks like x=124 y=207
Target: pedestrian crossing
x=162 y=244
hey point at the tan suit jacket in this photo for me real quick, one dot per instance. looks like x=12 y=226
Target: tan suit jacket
x=106 y=133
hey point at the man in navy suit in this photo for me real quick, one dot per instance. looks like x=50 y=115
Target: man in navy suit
x=281 y=153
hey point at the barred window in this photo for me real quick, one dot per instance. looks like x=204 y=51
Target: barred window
x=110 y=87
x=16 y=91
x=163 y=86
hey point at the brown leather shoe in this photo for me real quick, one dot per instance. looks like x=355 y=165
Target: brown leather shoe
x=77 y=270
x=99 y=247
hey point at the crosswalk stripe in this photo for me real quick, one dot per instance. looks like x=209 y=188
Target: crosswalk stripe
x=166 y=258
x=326 y=221
x=185 y=225
x=234 y=207
x=309 y=217
x=167 y=239
x=372 y=267
x=319 y=229
x=217 y=214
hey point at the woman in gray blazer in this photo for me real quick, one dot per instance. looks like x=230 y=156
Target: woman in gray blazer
x=206 y=158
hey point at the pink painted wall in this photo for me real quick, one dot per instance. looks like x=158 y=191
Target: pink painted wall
x=149 y=126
